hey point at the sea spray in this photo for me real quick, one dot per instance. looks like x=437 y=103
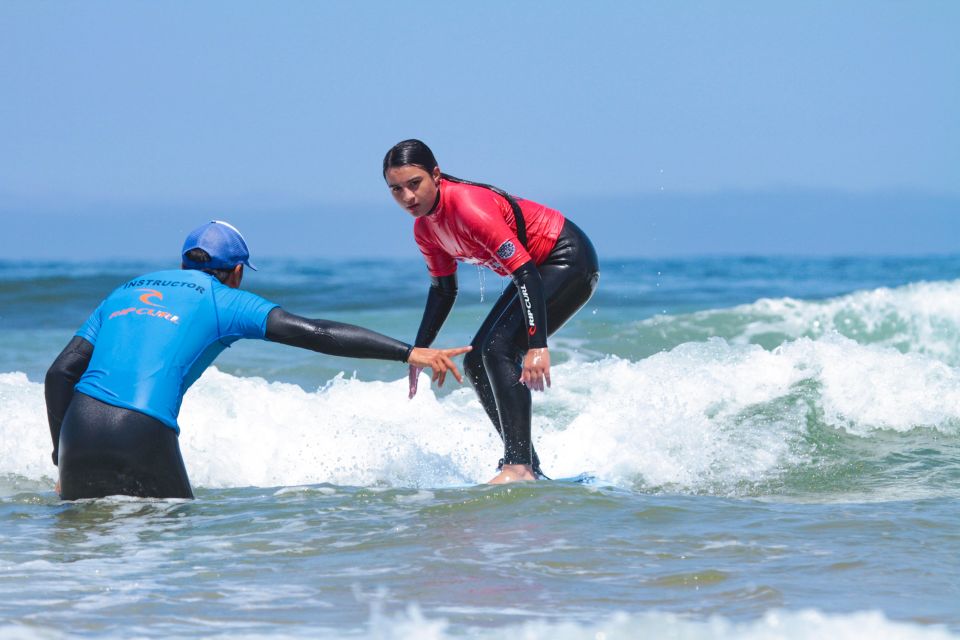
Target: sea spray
x=784 y=625
x=922 y=317
x=709 y=417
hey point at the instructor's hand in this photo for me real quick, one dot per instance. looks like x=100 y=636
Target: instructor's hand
x=536 y=369
x=438 y=361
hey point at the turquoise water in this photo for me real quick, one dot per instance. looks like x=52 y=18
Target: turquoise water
x=776 y=442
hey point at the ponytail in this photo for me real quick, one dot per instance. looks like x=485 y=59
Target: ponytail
x=517 y=211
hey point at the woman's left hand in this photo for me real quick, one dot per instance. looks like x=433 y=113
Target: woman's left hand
x=438 y=361
x=536 y=369
x=413 y=376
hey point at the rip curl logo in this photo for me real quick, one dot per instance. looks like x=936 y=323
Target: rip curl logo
x=506 y=250
x=147 y=298
x=151 y=293
x=528 y=307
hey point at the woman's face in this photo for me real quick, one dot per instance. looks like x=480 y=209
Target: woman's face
x=413 y=188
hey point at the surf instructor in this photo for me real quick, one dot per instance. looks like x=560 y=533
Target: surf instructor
x=552 y=264
x=113 y=394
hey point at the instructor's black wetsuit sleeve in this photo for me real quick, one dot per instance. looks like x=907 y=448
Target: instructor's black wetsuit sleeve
x=440 y=299
x=534 y=303
x=333 y=338
x=58 y=385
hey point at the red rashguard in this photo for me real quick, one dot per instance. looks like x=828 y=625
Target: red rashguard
x=474 y=224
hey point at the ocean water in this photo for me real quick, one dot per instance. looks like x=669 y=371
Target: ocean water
x=776 y=446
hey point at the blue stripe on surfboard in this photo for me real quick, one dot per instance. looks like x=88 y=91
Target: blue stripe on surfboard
x=582 y=478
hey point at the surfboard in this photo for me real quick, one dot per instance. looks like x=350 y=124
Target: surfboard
x=584 y=478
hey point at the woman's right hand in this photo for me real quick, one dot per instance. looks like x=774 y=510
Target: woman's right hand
x=536 y=369
x=437 y=360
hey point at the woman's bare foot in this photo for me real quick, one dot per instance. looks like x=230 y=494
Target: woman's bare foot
x=513 y=473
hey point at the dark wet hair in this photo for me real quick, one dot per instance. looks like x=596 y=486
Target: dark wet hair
x=414 y=152
x=199 y=255
x=407 y=152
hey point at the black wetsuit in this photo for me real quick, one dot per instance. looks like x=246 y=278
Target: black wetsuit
x=566 y=280
x=104 y=450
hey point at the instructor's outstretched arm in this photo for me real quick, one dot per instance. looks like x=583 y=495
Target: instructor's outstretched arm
x=351 y=341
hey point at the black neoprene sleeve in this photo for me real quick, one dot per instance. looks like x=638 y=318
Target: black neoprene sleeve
x=440 y=299
x=58 y=385
x=333 y=338
x=534 y=303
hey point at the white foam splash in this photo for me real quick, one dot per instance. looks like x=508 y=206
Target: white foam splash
x=247 y=431
x=704 y=414
x=921 y=317
x=24 y=434
x=807 y=624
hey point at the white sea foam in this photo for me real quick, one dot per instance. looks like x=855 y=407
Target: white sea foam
x=921 y=317
x=703 y=414
x=24 y=435
x=781 y=625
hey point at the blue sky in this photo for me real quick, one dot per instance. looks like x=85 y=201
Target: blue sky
x=123 y=117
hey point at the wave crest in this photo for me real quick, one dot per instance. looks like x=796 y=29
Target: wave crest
x=711 y=416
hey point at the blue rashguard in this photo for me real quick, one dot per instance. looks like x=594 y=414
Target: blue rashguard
x=156 y=334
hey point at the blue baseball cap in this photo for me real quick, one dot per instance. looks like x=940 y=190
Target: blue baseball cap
x=222 y=241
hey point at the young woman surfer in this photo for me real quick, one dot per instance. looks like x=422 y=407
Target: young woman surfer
x=551 y=261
